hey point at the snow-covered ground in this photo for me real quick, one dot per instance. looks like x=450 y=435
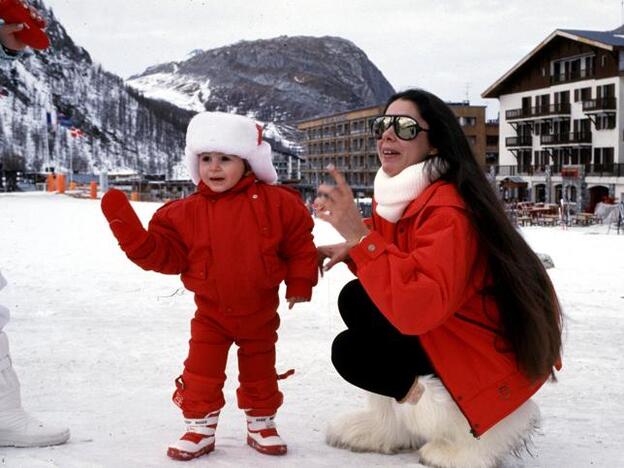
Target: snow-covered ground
x=97 y=343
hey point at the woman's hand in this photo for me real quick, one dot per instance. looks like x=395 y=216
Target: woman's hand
x=335 y=252
x=335 y=205
x=8 y=39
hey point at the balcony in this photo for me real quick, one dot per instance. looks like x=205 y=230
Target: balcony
x=605 y=169
x=573 y=138
x=601 y=170
x=600 y=104
x=523 y=140
x=575 y=75
x=518 y=169
x=561 y=108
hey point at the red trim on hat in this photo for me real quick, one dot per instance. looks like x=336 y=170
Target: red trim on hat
x=259 y=134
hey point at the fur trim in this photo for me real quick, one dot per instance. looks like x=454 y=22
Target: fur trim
x=435 y=421
x=230 y=134
x=375 y=429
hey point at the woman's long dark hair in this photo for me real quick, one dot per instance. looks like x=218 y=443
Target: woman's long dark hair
x=530 y=313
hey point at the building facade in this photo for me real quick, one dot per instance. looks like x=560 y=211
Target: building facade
x=472 y=121
x=491 y=142
x=344 y=140
x=561 y=133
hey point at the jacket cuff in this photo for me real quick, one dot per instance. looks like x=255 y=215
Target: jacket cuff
x=299 y=288
x=7 y=54
x=369 y=248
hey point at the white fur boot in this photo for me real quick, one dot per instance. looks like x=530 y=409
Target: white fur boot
x=376 y=429
x=17 y=427
x=449 y=444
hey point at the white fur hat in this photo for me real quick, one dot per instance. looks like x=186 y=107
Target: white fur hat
x=230 y=134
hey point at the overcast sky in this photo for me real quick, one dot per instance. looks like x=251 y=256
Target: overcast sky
x=454 y=48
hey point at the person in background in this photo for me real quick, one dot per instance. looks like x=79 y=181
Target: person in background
x=17 y=427
x=452 y=323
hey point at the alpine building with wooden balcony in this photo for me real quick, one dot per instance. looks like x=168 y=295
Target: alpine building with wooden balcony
x=561 y=131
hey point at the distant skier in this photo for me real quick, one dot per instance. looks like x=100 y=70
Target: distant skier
x=234 y=241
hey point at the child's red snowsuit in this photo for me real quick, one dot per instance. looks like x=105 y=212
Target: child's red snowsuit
x=233 y=249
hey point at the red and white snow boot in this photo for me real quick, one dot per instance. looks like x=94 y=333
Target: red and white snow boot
x=198 y=440
x=262 y=435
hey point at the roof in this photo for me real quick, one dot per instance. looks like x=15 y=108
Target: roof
x=337 y=114
x=612 y=38
x=603 y=39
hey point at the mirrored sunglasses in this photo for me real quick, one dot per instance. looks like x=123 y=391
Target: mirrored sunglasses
x=405 y=127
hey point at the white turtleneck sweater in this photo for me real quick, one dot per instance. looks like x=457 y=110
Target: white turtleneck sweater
x=393 y=194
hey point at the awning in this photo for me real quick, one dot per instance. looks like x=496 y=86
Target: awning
x=514 y=182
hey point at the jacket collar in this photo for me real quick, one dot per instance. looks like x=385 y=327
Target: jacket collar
x=241 y=186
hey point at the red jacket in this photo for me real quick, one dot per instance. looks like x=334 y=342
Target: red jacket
x=234 y=248
x=425 y=273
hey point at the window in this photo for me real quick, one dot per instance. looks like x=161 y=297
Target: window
x=542 y=103
x=582 y=94
x=605 y=91
x=562 y=97
x=605 y=122
x=491 y=140
x=467 y=121
x=526 y=103
x=491 y=158
x=573 y=68
x=603 y=159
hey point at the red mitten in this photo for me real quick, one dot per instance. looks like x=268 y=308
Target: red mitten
x=18 y=12
x=123 y=221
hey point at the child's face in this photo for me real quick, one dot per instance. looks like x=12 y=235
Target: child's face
x=220 y=172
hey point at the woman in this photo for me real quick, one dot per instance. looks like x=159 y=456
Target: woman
x=453 y=323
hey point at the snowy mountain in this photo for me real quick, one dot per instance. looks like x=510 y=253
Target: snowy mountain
x=280 y=79
x=59 y=109
x=119 y=129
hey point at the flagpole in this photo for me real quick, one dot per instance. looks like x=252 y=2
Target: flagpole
x=71 y=162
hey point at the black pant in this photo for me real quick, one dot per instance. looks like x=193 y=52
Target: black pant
x=371 y=353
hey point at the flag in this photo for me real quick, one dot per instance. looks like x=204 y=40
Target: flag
x=64 y=120
x=51 y=119
x=76 y=132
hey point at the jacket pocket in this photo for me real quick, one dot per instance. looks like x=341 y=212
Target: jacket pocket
x=194 y=278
